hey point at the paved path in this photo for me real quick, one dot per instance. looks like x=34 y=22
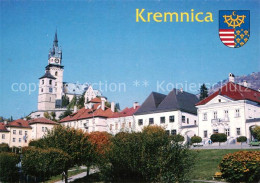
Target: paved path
x=78 y=176
x=226 y=146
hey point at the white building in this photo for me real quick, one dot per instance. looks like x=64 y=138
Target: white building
x=176 y=112
x=232 y=110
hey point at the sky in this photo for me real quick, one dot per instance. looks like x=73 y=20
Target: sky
x=102 y=42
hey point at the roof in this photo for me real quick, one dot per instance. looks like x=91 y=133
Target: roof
x=42 y=121
x=234 y=91
x=74 y=88
x=175 y=100
x=47 y=75
x=253 y=120
x=126 y=112
x=3 y=128
x=95 y=100
x=19 y=123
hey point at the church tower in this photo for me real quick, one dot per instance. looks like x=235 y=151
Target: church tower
x=51 y=84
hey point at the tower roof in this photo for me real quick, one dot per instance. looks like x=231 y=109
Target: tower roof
x=47 y=75
x=55 y=41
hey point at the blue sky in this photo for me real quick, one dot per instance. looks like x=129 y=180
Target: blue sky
x=102 y=42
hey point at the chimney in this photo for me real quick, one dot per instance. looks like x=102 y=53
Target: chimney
x=245 y=84
x=136 y=104
x=231 y=77
x=113 y=106
x=103 y=103
x=75 y=109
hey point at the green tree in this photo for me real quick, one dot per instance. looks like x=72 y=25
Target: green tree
x=65 y=101
x=72 y=103
x=203 y=92
x=81 y=101
x=256 y=132
x=196 y=139
x=44 y=163
x=241 y=139
x=4 y=147
x=72 y=141
x=46 y=115
x=177 y=138
x=53 y=116
x=65 y=114
x=8 y=168
x=218 y=137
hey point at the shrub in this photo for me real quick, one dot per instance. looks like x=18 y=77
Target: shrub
x=8 y=169
x=218 y=137
x=4 y=147
x=177 y=138
x=44 y=163
x=242 y=166
x=241 y=139
x=256 y=132
x=196 y=139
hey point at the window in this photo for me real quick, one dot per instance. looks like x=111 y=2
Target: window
x=20 y=140
x=50 y=81
x=227 y=132
x=226 y=113
x=195 y=122
x=215 y=131
x=167 y=132
x=150 y=121
x=205 y=133
x=13 y=139
x=123 y=125
x=20 y=132
x=173 y=132
x=140 y=121
x=50 y=90
x=14 y=132
x=42 y=90
x=55 y=83
x=188 y=121
x=205 y=116
x=56 y=73
x=238 y=131
x=116 y=126
x=42 y=81
x=171 y=119
x=237 y=113
x=215 y=114
x=111 y=127
x=162 y=119
x=183 y=119
x=46 y=129
x=42 y=129
x=219 y=100
x=25 y=133
x=3 y=136
x=129 y=125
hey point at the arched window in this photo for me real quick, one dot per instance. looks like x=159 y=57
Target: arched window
x=42 y=90
x=56 y=73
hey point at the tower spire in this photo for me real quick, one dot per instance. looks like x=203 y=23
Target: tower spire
x=55 y=42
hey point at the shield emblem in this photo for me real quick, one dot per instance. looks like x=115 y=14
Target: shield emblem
x=234 y=27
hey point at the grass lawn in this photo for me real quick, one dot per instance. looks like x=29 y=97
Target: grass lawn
x=208 y=161
x=75 y=171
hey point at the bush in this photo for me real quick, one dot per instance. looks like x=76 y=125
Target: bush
x=44 y=163
x=241 y=139
x=218 y=137
x=4 y=147
x=196 y=139
x=177 y=138
x=8 y=169
x=242 y=166
x=149 y=155
x=256 y=132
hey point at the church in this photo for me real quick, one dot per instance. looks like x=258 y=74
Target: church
x=52 y=88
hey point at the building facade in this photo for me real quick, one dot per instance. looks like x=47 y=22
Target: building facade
x=233 y=110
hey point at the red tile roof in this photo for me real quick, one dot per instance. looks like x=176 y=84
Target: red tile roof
x=96 y=100
x=19 y=123
x=3 y=128
x=235 y=92
x=42 y=120
x=126 y=112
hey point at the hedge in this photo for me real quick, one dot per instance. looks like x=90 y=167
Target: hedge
x=8 y=168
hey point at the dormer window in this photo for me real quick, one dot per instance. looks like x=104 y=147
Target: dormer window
x=219 y=100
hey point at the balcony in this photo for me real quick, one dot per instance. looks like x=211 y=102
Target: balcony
x=219 y=120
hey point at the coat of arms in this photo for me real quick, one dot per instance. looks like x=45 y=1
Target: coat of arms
x=234 y=27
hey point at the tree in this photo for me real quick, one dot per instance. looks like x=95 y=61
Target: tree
x=196 y=139
x=65 y=114
x=47 y=115
x=72 y=141
x=8 y=168
x=203 y=92
x=241 y=139
x=53 y=116
x=65 y=101
x=256 y=132
x=72 y=103
x=45 y=163
x=81 y=101
x=177 y=138
x=218 y=137
x=28 y=118
x=4 y=147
